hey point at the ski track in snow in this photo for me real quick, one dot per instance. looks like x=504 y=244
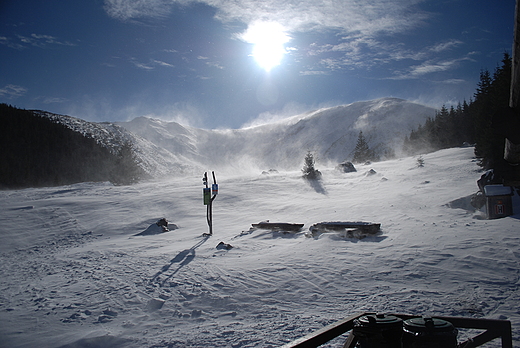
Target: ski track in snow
x=75 y=275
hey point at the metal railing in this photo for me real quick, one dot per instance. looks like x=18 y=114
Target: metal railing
x=493 y=329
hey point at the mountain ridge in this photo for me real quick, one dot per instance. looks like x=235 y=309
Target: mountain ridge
x=331 y=133
x=161 y=148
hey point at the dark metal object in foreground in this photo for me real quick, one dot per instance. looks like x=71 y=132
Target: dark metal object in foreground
x=493 y=329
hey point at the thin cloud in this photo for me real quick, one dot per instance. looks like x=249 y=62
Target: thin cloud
x=429 y=67
x=13 y=91
x=131 y=9
x=35 y=40
x=38 y=40
x=453 y=81
x=55 y=100
x=357 y=25
x=366 y=17
x=161 y=63
x=314 y=73
x=443 y=46
x=151 y=65
x=215 y=65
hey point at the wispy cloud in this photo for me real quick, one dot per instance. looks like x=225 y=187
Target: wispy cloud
x=12 y=91
x=130 y=9
x=43 y=40
x=361 y=28
x=35 y=40
x=151 y=65
x=443 y=46
x=54 y=100
x=428 y=67
x=366 y=17
x=313 y=72
x=366 y=53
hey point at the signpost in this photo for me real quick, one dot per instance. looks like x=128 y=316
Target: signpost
x=209 y=195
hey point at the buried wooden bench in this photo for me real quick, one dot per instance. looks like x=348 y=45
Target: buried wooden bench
x=278 y=226
x=364 y=227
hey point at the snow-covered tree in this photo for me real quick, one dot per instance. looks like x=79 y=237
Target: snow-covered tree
x=309 y=172
x=420 y=161
x=362 y=152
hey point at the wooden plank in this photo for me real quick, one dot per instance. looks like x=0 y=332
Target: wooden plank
x=514 y=99
x=325 y=334
x=279 y=226
x=367 y=227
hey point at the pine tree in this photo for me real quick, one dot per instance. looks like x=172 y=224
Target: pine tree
x=362 y=152
x=309 y=172
x=492 y=96
x=471 y=123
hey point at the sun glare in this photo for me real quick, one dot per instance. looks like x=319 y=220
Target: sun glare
x=268 y=39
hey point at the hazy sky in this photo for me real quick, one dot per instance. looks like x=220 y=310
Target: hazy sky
x=225 y=63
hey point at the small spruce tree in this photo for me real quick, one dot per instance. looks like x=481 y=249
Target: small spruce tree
x=362 y=152
x=309 y=172
x=420 y=162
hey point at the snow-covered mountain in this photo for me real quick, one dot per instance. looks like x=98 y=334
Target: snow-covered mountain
x=330 y=133
x=168 y=148
x=155 y=160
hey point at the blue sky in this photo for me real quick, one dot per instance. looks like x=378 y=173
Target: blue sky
x=230 y=63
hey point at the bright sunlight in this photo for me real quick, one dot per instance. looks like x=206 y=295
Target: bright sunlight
x=268 y=39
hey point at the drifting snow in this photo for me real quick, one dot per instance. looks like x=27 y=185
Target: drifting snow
x=330 y=133
x=75 y=275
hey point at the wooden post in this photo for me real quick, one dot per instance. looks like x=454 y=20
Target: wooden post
x=514 y=99
x=512 y=150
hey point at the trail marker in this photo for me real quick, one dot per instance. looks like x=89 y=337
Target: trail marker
x=209 y=195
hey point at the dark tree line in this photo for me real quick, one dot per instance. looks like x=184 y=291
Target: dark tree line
x=35 y=151
x=469 y=122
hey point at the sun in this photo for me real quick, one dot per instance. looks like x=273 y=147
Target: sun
x=268 y=39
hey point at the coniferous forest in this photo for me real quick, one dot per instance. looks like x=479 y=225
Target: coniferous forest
x=35 y=151
x=470 y=122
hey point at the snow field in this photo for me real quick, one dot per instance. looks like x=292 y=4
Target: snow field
x=74 y=273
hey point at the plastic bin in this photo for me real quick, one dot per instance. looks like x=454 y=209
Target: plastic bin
x=499 y=202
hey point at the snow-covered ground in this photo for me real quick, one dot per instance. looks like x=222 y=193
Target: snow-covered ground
x=74 y=274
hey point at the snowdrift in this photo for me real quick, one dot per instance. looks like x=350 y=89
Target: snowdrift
x=74 y=273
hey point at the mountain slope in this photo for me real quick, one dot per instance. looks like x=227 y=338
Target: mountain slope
x=331 y=133
x=161 y=148
x=39 y=151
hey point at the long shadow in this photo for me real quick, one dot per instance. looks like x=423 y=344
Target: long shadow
x=182 y=258
x=317 y=186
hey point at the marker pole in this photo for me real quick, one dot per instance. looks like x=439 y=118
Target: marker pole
x=209 y=196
